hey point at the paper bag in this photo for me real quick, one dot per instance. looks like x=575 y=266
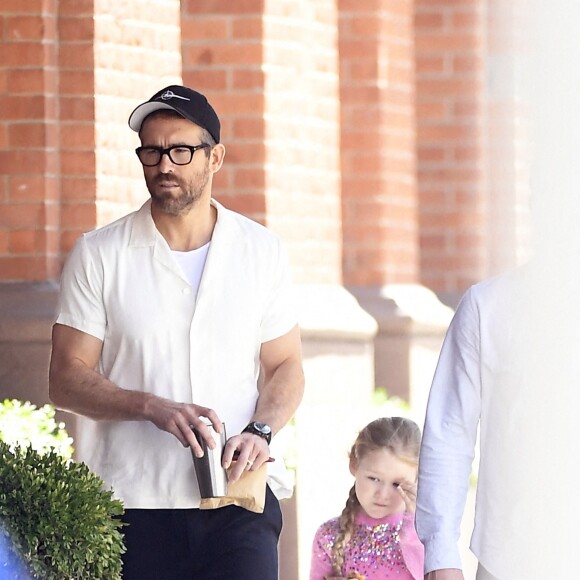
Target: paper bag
x=249 y=492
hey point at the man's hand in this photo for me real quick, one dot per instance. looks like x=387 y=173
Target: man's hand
x=180 y=419
x=251 y=451
x=446 y=574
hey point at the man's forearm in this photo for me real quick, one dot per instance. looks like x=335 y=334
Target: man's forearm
x=282 y=382
x=84 y=391
x=280 y=395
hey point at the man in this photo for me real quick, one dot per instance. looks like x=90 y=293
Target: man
x=510 y=367
x=179 y=311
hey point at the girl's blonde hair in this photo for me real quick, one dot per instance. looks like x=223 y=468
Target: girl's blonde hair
x=402 y=437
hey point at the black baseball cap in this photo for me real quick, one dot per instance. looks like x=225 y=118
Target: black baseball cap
x=188 y=103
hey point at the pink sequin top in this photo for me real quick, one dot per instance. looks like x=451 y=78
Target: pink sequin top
x=378 y=549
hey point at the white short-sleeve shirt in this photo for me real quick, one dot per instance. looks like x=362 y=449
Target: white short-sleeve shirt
x=122 y=285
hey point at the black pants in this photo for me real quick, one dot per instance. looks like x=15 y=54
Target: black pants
x=228 y=543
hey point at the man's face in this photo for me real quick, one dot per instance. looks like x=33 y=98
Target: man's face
x=175 y=188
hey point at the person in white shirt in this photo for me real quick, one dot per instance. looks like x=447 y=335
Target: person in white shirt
x=180 y=311
x=510 y=366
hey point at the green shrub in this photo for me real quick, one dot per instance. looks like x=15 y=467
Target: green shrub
x=57 y=522
x=22 y=423
x=57 y=518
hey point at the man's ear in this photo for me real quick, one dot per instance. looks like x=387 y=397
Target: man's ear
x=216 y=157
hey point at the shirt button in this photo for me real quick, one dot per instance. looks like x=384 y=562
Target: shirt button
x=187 y=290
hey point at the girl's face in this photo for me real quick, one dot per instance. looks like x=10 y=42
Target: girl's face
x=377 y=477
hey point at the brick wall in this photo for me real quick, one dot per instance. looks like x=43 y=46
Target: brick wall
x=378 y=163
x=391 y=205
x=76 y=68
x=450 y=112
x=29 y=142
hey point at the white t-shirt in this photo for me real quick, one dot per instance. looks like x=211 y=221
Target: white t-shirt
x=192 y=264
x=122 y=284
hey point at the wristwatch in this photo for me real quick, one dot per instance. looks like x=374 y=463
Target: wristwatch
x=260 y=429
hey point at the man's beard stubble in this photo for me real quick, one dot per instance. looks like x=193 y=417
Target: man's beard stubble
x=191 y=192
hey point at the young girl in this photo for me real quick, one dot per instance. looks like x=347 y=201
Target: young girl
x=374 y=537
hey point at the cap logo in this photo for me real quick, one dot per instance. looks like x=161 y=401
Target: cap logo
x=170 y=95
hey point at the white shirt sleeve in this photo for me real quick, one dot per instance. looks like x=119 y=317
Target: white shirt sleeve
x=449 y=439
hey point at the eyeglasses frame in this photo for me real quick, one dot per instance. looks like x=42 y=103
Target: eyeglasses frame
x=167 y=151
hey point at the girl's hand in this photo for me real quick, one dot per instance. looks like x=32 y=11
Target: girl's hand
x=408 y=491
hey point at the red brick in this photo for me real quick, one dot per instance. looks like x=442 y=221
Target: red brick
x=239 y=104
x=78 y=136
x=468 y=19
x=248 y=79
x=78 y=163
x=451 y=87
x=4 y=237
x=27 y=81
x=27 y=135
x=78 y=82
x=246 y=28
x=81 y=108
x=199 y=28
x=20 y=28
x=251 y=153
x=18 y=7
x=223 y=7
x=77 y=55
x=81 y=216
x=444 y=133
x=68 y=238
x=430 y=64
x=25 y=242
x=22 y=107
x=429 y=20
x=458 y=42
x=76 y=28
x=205 y=80
x=249 y=179
x=21 y=54
x=248 y=128
x=25 y=215
x=29 y=188
x=76 y=8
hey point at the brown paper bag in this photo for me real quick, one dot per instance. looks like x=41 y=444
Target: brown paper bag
x=249 y=492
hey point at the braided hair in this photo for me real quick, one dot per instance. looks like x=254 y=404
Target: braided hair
x=402 y=437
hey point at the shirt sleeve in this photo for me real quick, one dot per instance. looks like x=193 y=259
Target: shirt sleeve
x=321 y=561
x=449 y=438
x=80 y=303
x=280 y=312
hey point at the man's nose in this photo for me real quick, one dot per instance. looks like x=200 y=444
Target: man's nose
x=165 y=164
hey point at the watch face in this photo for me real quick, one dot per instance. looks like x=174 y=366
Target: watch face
x=263 y=428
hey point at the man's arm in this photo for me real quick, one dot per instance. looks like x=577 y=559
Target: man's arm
x=280 y=393
x=448 y=444
x=282 y=387
x=75 y=385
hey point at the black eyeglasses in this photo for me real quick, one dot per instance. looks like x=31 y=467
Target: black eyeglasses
x=178 y=154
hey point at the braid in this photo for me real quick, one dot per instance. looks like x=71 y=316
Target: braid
x=345 y=530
